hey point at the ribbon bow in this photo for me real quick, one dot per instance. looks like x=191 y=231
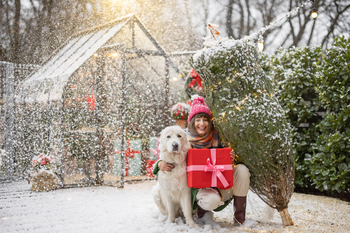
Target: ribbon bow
x=216 y=169
x=195 y=78
x=129 y=152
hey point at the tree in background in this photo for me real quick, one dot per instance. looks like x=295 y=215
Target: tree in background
x=33 y=30
x=240 y=18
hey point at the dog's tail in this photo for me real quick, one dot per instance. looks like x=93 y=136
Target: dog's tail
x=158 y=199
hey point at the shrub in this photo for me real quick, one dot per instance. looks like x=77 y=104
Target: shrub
x=294 y=76
x=330 y=163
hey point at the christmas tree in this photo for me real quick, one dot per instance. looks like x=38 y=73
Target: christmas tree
x=249 y=117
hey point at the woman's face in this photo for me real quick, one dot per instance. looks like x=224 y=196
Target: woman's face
x=201 y=125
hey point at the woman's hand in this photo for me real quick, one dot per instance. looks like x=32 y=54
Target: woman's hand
x=164 y=166
x=233 y=155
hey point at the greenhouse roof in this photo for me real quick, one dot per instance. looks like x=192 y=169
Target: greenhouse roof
x=47 y=83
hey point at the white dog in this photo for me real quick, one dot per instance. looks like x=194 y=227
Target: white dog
x=171 y=193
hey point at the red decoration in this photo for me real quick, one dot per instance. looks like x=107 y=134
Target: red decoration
x=150 y=164
x=195 y=79
x=41 y=160
x=91 y=100
x=209 y=168
x=129 y=152
x=180 y=108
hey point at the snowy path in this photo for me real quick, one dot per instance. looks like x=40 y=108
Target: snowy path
x=108 y=209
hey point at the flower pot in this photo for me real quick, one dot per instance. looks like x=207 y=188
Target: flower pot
x=43 y=181
x=181 y=123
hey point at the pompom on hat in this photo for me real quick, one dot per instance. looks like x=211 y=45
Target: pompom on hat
x=198 y=106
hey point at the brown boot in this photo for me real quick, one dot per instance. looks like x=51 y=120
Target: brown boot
x=201 y=212
x=239 y=206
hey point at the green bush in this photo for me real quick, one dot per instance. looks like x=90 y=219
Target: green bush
x=330 y=163
x=294 y=76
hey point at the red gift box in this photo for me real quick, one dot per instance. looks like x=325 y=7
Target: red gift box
x=150 y=164
x=209 y=168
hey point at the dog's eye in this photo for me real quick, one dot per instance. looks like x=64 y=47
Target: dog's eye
x=179 y=136
x=168 y=136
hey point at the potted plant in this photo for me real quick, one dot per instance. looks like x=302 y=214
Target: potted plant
x=42 y=176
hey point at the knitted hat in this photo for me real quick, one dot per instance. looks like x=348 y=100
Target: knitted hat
x=198 y=106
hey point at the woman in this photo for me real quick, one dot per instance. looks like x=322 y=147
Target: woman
x=201 y=133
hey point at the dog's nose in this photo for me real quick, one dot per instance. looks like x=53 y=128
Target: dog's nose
x=175 y=146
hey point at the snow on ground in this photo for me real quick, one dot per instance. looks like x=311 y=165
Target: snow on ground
x=109 y=209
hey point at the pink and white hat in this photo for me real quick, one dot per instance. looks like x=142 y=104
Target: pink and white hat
x=198 y=106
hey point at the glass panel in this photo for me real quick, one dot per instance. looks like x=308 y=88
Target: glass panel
x=53 y=60
x=142 y=41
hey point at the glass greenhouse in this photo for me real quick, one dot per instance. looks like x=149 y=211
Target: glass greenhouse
x=104 y=89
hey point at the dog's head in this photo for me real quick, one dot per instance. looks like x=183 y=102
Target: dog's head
x=173 y=139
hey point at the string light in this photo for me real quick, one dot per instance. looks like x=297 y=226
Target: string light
x=261 y=46
x=175 y=79
x=114 y=54
x=261 y=43
x=314 y=13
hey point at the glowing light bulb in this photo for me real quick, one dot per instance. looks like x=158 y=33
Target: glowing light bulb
x=261 y=46
x=175 y=79
x=114 y=54
x=314 y=13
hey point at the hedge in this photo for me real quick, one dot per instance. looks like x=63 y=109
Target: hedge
x=313 y=86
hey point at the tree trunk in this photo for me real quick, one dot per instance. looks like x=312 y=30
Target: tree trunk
x=286 y=218
x=229 y=29
x=16 y=31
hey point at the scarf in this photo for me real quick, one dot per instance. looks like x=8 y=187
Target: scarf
x=209 y=140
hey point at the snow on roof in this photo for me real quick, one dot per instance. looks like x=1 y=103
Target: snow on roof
x=47 y=83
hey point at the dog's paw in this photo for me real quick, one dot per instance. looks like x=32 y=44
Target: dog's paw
x=193 y=224
x=171 y=219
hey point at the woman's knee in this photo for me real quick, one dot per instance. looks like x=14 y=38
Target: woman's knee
x=241 y=180
x=241 y=171
x=208 y=199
